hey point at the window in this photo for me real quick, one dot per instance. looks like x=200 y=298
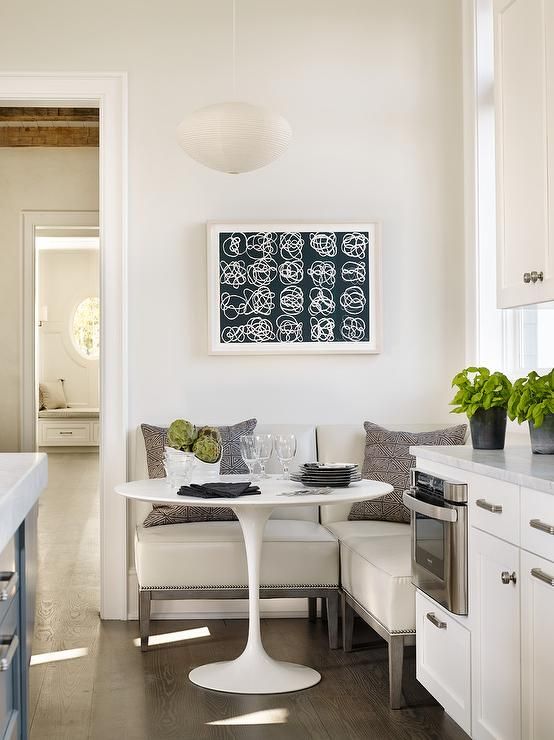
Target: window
x=85 y=328
x=513 y=340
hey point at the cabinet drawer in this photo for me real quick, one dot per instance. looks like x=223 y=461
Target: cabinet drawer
x=65 y=433
x=9 y=670
x=537 y=522
x=494 y=508
x=443 y=652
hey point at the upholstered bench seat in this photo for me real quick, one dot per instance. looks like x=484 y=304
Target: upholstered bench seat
x=376 y=571
x=212 y=555
x=363 y=528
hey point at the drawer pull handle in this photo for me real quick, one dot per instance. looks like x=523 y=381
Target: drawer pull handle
x=66 y=432
x=13 y=644
x=10 y=581
x=493 y=508
x=437 y=622
x=508 y=577
x=537 y=524
x=542 y=576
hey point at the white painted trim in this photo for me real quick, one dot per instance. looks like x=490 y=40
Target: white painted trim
x=30 y=221
x=470 y=181
x=217 y=347
x=108 y=91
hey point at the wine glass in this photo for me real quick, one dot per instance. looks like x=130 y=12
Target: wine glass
x=264 y=448
x=249 y=452
x=285 y=448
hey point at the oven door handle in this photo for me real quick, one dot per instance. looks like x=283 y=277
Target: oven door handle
x=433 y=512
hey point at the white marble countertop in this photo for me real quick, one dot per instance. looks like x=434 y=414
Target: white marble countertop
x=23 y=476
x=515 y=464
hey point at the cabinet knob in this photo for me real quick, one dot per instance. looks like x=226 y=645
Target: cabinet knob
x=508 y=577
x=533 y=277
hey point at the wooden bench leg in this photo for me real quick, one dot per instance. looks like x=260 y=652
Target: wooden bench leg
x=145 y=602
x=332 y=603
x=396 y=663
x=347 y=624
x=324 y=610
x=312 y=608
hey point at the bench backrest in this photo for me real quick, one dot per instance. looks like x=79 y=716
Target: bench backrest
x=346 y=443
x=306 y=452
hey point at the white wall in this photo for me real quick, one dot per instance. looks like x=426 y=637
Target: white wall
x=372 y=90
x=65 y=279
x=64 y=179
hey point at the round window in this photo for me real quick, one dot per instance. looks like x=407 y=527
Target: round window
x=85 y=327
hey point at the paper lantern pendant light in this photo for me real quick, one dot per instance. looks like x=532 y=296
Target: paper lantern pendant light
x=234 y=137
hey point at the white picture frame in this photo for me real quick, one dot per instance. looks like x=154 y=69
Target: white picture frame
x=234 y=277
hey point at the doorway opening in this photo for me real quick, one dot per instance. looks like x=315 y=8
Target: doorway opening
x=68 y=428
x=107 y=93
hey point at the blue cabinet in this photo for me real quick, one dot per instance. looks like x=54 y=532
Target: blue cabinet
x=17 y=606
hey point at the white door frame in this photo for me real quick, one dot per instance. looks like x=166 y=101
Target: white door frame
x=108 y=92
x=28 y=378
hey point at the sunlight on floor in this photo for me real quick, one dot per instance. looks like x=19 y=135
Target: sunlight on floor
x=191 y=634
x=277 y=716
x=60 y=655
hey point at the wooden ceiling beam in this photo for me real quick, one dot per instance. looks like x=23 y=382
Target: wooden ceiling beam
x=49 y=114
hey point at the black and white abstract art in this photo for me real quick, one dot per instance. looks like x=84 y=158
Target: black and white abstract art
x=294 y=288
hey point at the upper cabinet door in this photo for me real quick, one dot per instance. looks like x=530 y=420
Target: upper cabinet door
x=524 y=102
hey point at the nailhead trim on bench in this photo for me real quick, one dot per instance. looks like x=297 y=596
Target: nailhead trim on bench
x=283 y=586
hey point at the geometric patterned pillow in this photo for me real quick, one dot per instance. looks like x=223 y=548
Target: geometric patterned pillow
x=387 y=458
x=155 y=439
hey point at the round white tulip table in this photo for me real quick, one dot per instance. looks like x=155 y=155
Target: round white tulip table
x=254 y=671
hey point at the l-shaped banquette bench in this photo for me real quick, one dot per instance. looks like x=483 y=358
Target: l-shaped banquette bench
x=309 y=552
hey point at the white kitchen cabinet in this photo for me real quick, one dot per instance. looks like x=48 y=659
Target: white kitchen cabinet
x=443 y=659
x=495 y=638
x=537 y=624
x=524 y=112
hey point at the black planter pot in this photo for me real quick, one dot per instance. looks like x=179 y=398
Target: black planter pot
x=542 y=438
x=488 y=429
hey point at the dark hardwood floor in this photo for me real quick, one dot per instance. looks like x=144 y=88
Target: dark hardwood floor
x=116 y=692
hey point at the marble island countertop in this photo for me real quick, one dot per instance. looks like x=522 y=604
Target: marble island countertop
x=23 y=476
x=515 y=464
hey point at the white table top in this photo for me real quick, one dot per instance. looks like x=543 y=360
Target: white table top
x=272 y=489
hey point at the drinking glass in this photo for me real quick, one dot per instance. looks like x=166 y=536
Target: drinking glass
x=249 y=452
x=179 y=467
x=264 y=448
x=285 y=448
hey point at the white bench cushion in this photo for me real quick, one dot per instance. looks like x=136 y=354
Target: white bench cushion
x=370 y=528
x=212 y=554
x=376 y=572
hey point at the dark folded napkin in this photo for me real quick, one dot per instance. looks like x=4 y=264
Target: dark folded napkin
x=218 y=490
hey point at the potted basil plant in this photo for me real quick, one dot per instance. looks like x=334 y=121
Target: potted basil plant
x=532 y=400
x=483 y=396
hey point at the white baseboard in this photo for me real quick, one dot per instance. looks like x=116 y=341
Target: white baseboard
x=213 y=608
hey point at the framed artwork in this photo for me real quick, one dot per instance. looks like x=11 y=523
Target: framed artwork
x=298 y=288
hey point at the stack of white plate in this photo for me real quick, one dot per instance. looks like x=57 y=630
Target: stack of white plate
x=334 y=475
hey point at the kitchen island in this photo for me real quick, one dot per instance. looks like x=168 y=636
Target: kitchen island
x=23 y=477
x=492 y=668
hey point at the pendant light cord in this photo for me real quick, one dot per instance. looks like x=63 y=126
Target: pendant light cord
x=234 y=49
